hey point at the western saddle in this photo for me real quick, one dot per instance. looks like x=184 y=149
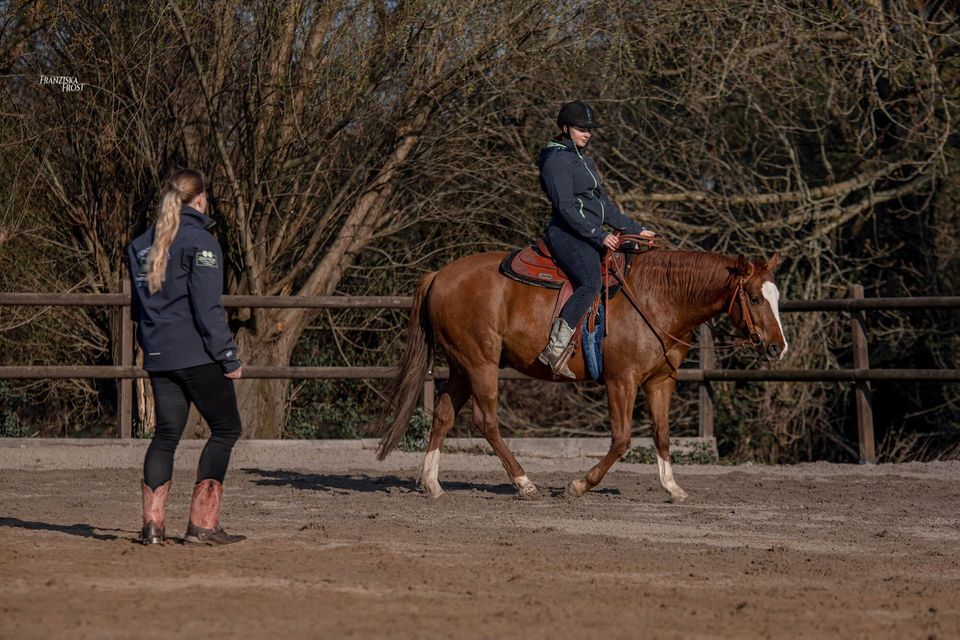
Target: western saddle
x=535 y=265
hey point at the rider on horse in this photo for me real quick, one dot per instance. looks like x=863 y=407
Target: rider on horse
x=575 y=234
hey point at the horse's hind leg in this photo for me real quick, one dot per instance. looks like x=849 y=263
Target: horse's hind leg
x=658 y=392
x=485 y=393
x=452 y=399
x=621 y=397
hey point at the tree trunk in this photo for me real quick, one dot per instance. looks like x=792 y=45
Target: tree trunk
x=263 y=403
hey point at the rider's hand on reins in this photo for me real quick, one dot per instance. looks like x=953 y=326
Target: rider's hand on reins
x=612 y=241
x=633 y=243
x=648 y=235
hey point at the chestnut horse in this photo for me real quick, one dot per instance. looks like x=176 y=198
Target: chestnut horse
x=483 y=320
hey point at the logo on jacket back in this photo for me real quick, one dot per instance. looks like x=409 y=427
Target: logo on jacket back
x=142 y=256
x=206 y=259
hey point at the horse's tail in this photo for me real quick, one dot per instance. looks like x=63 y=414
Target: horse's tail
x=404 y=389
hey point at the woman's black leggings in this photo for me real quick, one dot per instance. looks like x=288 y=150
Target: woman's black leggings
x=580 y=261
x=213 y=393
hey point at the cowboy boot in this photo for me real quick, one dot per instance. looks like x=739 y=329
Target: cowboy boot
x=204 y=524
x=154 y=507
x=554 y=354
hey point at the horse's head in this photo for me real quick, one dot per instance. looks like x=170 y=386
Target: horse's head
x=755 y=307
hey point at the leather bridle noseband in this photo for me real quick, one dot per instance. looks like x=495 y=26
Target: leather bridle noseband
x=740 y=294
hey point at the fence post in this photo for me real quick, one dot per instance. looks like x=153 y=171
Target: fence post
x=861 y=360
x=429 y=396
x=125 y=399
x=706 y=390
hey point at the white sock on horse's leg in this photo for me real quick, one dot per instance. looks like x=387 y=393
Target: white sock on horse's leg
x=430 y=473
x=667 y=482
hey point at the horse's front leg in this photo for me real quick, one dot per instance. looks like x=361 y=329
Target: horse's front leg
x=658 y=392
x=621 y=396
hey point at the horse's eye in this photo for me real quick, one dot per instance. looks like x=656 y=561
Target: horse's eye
x=755 y=300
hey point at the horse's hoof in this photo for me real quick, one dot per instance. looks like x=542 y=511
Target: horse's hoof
x=529 y=492
x=431 y=492
x=576 y=488
x=526 y=490
x=678 y=497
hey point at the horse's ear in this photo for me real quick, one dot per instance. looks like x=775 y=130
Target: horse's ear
x=744 y=268
x=772 y=262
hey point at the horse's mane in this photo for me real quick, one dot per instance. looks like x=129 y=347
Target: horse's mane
x=689 y=277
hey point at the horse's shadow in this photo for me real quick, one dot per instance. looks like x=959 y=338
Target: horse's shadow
x=561 y=492
x=363 y=483
x=80 y=530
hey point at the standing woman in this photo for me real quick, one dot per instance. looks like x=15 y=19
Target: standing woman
x=575 y=235
x=188 y=351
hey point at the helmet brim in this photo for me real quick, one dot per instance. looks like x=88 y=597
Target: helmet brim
x=581 y=124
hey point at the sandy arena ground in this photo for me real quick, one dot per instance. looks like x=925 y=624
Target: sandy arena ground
x=343 y=546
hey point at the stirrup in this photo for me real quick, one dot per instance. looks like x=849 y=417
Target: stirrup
x=559 y=366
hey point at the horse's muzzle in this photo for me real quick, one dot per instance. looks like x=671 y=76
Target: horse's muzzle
x=773 y=351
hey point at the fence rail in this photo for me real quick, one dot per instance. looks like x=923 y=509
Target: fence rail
x=106 y=372
x=404 y=302
x=860 y=375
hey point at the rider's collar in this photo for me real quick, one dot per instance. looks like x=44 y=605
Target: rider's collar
x=561 y=143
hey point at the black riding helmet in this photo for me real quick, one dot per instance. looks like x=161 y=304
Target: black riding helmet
x=577 y=113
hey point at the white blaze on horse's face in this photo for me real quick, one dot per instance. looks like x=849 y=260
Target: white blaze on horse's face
x=772 y=294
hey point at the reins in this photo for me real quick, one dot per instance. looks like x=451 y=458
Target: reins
x=739 y=295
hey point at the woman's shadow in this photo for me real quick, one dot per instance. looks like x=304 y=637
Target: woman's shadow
x=81 y=530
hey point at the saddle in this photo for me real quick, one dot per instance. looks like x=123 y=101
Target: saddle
x=534 y=265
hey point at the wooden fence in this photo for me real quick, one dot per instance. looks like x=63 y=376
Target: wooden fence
x=859 y=376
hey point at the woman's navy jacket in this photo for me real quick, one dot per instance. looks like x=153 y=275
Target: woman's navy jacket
x=184 y=324
x=580 y=203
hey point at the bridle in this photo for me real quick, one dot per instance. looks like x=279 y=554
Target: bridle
x=739 y=295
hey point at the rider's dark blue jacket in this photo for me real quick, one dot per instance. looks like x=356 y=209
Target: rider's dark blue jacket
x=580 y=203
x=184 y=324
